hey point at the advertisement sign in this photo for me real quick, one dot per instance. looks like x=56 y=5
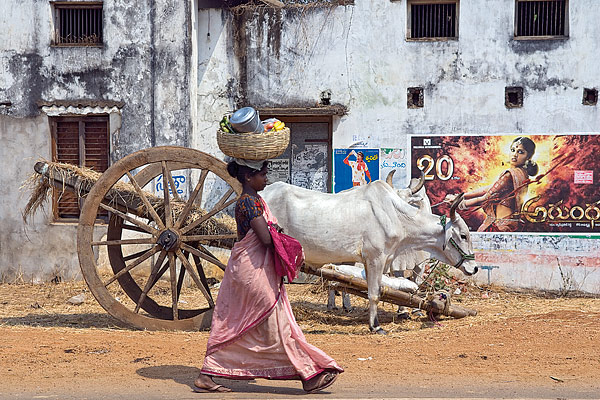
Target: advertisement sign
x=514 y=183
x=354 y=167
x=279 y=170
x=394 y=159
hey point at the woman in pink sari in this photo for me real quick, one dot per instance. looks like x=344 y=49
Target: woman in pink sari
x=254 y=333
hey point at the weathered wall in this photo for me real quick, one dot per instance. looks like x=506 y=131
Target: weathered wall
x=360 y=53
x=145 y=62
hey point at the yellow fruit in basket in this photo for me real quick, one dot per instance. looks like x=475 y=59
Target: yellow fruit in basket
x=278 y=125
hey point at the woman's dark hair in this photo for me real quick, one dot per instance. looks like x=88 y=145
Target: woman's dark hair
x=241 y=171
x=530 y=166
x=360 y=153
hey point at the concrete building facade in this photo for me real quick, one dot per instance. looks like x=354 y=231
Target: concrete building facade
x=170 y=70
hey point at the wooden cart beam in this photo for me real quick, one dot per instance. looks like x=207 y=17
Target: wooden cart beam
x=358 y=287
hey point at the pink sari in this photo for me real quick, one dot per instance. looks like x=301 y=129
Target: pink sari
x=254 y=333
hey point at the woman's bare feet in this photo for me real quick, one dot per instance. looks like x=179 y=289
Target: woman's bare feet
x=204 y=383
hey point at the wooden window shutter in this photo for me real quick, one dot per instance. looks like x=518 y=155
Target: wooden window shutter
x=96 y=145
x=66 y=151
x=81 y=141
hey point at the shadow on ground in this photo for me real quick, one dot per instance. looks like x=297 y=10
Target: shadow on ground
x=50 y=320
x=186 y=375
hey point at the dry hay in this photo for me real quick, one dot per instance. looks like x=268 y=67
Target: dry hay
x=45 y=305
x=60 y=175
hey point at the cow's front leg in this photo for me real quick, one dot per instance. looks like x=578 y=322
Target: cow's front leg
x=331 y=300
x=374 y=272
x=346 y=305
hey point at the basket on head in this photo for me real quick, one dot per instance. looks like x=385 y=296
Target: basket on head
x=254 y=146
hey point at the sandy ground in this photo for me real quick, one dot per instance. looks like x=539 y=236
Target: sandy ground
x=518 y=346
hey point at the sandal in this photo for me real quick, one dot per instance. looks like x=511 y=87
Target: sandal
x=216 y=389
x=325 y=380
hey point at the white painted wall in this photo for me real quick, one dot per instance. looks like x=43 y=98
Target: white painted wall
x=145 y=62
x=360 y=53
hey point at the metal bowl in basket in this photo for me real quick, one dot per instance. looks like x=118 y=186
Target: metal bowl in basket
x=254 y=146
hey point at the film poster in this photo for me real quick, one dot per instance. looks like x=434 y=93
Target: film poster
x=514 y=183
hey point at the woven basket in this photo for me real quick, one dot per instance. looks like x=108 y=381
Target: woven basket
x=254 y=146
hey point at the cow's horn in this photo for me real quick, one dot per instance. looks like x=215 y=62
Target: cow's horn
x=389 y=177
x=420 y=184
x=455 y=204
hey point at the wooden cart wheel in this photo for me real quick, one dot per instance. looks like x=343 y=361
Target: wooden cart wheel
x=157 y=234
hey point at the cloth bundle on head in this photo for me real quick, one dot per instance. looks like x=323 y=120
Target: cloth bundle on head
x=254 y=164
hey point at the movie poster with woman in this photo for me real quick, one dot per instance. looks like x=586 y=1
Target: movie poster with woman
x=514 y=182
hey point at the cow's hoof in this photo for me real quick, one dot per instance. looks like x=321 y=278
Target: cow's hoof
x=332 y=308
x=348 y=309
x=403 y=315
x=379 y=330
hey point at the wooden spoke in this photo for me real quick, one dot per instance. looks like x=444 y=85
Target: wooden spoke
x=144 y=199
x=173 y=188
x=197 y=193
x=185 y=262
x=146 y=228
x=151 y=280
x=200 y=184
x=134 y=228
x=180 y=279
x=173 y=273
x=200 y=238
x=208 y=257
x=200 y=270
x=160 y=273
x=124 y=241
x=134 y=255
x=206 y=216
x=137 y=262
x=224 y=198
x=167 y=199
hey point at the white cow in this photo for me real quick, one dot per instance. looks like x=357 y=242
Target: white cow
x=404 y=259
x=369 y=224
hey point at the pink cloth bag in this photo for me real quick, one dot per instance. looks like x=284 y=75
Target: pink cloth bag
x=288 y=254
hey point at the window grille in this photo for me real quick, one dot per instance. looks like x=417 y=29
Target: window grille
x=541 y=18
x=82 y=141
x=433 y=20
x=78 y=24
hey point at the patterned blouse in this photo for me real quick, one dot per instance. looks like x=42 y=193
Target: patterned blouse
x=247 y=208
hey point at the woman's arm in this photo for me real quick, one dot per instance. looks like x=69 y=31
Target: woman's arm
x=482 y=195
x=261 y=228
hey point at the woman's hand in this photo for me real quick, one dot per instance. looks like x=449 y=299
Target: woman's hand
x=278 y=228
x=450 y=198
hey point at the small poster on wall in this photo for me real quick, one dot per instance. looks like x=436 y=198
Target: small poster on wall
x=354 y=167
x=394 y=159
x=279 y=170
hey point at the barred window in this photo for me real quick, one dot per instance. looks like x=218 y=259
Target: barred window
x=541 y=18
x=77 y=24
x=432 y=20
x=81 y=141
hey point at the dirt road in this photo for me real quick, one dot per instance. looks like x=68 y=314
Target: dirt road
x=518 y=346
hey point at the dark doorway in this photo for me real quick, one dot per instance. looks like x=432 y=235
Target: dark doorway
x=307 y=161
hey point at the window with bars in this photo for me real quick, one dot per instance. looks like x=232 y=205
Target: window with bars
x=77 y=24
x=82 y=141
x=534 y=18
x=433 y=20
